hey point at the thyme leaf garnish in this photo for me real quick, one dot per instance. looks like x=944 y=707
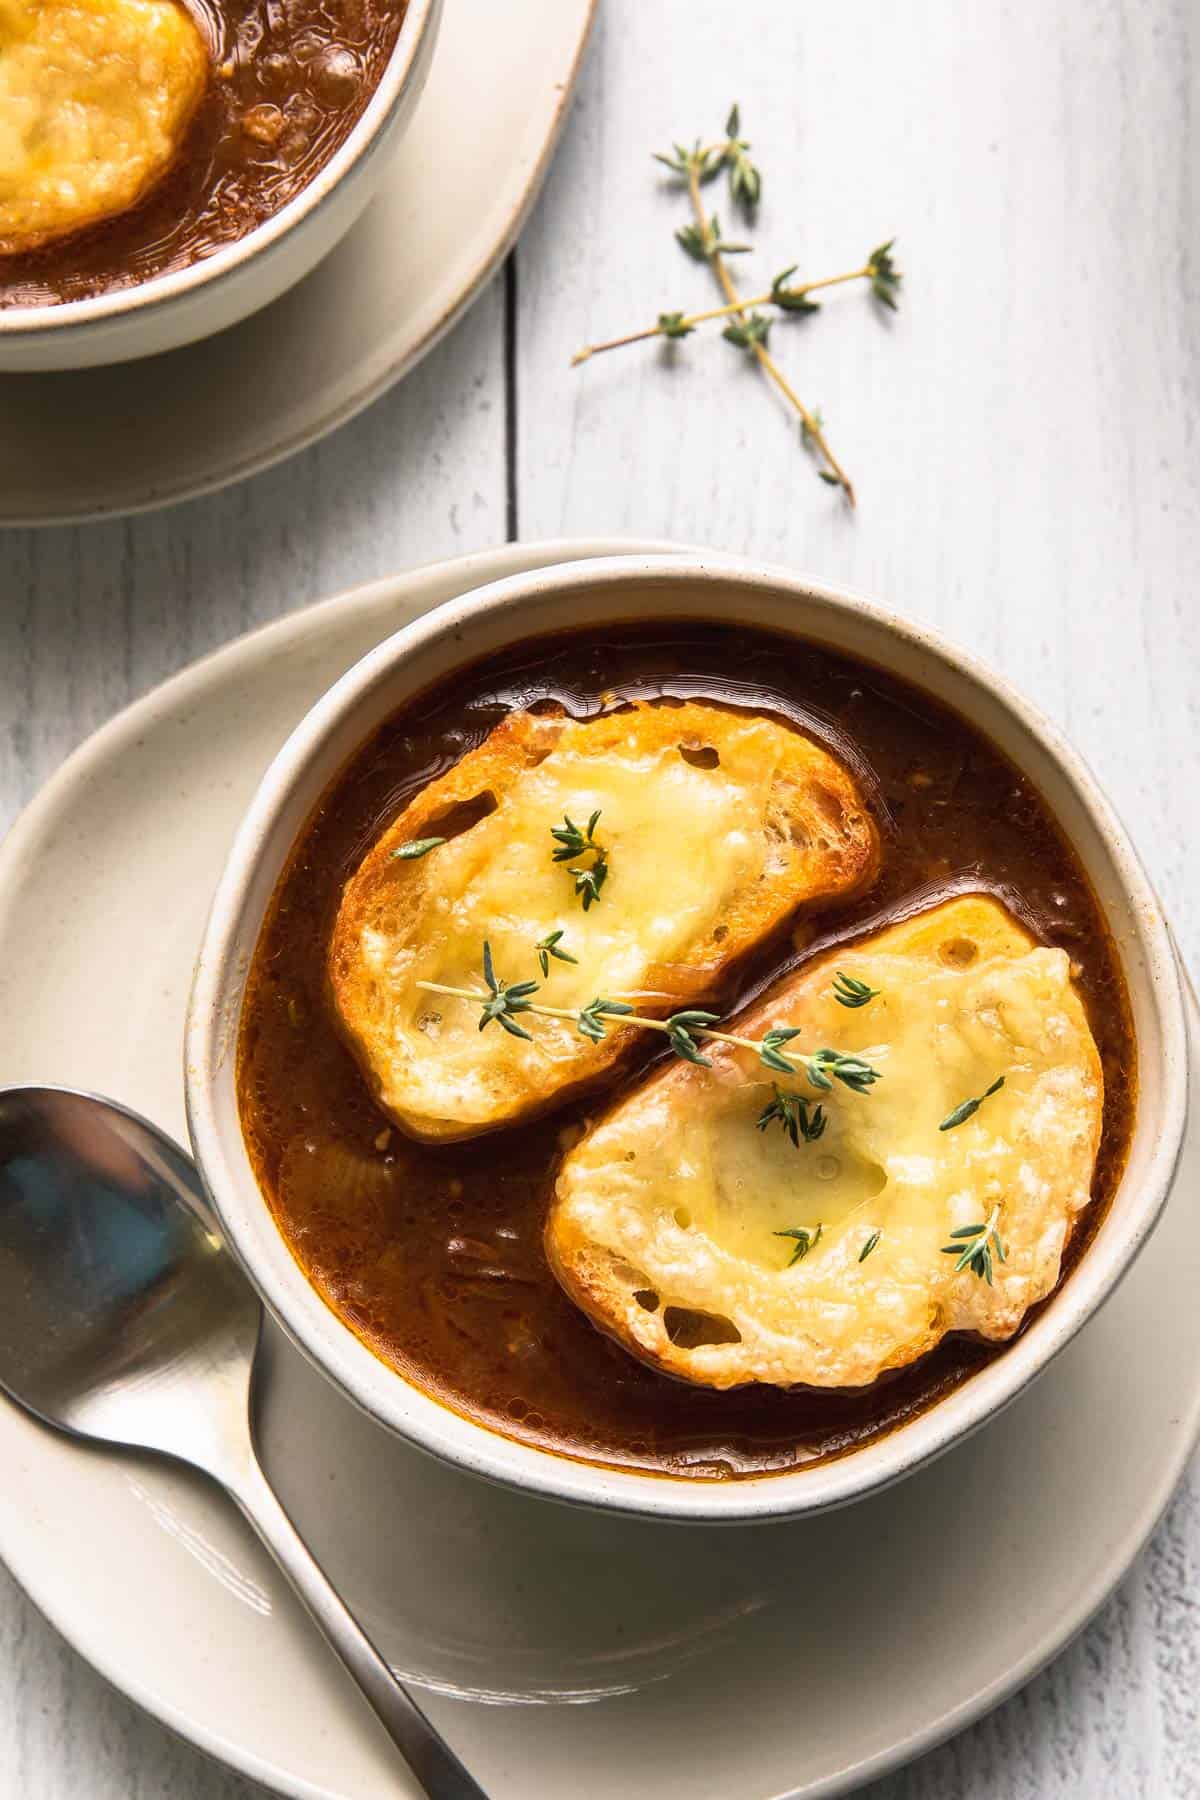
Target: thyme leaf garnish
x=573 y=842
x=771 y=1054
x=851 y=992
x=973 y=1246
x=548 y=947
x=852 y=1070
x=591 y=1017
x=418 y=847
x=804 y=1242
x=588 y=882
x=680 y=1027
x=869 y=1246
x=969 y=1108
x=791 y=1110
x=502 y=1001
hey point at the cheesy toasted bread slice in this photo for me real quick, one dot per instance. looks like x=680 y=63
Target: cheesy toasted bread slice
x=95 y=98
x=713 y=827
x=716 y=1244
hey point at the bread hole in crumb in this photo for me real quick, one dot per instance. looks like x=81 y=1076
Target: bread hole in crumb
x=683 y=1218
x=700 y=756
x=688 y=1328
x=648 y=1298
x=720 y=933
x=959 y=952
x=826 y=804
x=463 y=816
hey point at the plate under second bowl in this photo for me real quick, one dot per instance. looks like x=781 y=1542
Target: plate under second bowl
x=603 y=596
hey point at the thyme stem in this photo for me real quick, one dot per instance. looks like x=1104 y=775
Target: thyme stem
x=690 y=320
x=813 y=433
x=500 y=1002
x=572 y=1013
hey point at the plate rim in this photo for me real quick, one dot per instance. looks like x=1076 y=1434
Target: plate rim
x=120 y=732
x=476 y=279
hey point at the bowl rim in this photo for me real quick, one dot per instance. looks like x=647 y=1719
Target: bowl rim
x=30 y=322
x=408 y=1410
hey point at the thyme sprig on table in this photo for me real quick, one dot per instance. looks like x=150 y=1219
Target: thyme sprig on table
x=500 y=1001
x=748 y=329
x=789 y=297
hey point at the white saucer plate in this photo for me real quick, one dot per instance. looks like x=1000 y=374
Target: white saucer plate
x=560 y=1651
x=90 y=443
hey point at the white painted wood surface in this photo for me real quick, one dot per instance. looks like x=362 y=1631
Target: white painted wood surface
x=1024 y=438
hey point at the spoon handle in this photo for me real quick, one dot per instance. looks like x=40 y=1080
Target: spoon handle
x=425 y=1751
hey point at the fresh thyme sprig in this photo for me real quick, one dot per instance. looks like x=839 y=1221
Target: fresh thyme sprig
x=820 y=1066
x=730 y=155
x=745 y=178
x=549 y=947
x=418 y=847
x=969 y=1108
x=694 y=244
x=851 y=992
x=748 y=330
x=574 y=842
x=591 y=1017
x=500 y=1001
x=973 y=1246
x=791 y=1110
x=789 y=297
x=804 y=1241
x=885 y=276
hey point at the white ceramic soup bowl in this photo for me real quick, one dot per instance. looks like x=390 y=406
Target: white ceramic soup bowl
x=170 y=310
x=603 y=596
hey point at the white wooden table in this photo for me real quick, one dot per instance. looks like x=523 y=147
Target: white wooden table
x=1025 y=438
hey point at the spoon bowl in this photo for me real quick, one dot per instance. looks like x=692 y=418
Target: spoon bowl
x=124 y=1320
x=115 y=1288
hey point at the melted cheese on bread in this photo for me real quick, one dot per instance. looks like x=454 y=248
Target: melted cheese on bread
x=95 y=98
x=717 y=826
x=666 y=1219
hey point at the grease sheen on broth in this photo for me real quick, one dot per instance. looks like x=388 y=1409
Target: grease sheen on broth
x=433 y=1254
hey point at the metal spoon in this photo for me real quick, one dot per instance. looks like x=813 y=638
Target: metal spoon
x=123 y=1318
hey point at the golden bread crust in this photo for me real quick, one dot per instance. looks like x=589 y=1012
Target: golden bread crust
x=667 y=1222
x=95 y=99
x=719 y=826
